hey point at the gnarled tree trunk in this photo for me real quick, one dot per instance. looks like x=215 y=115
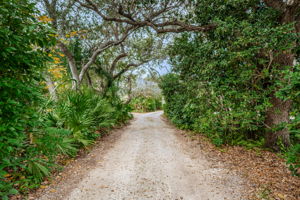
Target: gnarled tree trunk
x=89 y=80
x=276 y=115
x=279 y=112
x=50 y=86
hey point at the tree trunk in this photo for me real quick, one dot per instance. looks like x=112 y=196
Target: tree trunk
x=89 y=80
x=276 y=115
x=129 y=91
x=72 y=65
x=279 y=112
x=75 y=76
x=109 y=84
x=50 y=86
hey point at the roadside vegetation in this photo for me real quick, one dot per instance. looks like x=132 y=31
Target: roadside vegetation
x=69 y=73
x=146 y=95
x=239 y=84
x=146 y=104
x=40 y=124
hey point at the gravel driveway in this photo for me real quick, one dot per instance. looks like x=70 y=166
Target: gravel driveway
x=148 y=161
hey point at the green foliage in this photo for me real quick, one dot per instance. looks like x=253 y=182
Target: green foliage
x=6 y=190
x=82 y=113
x=293 y=159
x=75 y=120
x=37 y=168
x=23 y=42
x=56 y=141
x=122 y=111
x=36 y=133
x=145 y=104
x=222 y=80
x=292 y=155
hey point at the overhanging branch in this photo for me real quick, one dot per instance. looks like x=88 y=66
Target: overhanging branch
x=102 y=48
x=164 y=27
x=116 y=60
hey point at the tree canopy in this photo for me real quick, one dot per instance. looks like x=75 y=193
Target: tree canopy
x=69 y=70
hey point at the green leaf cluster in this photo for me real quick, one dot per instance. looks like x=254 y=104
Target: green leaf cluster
x=37 y=133
x=23 y=43
x=145 y=104
x=223 y=80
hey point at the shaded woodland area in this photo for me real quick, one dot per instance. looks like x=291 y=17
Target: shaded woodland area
x=69 y=74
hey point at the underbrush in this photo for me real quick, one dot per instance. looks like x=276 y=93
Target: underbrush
x=225 y=121
x=266 y=171
x=146 y=104
x=54 y=132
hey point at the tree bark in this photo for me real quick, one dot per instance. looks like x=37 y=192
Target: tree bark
x=89 y=80
x=276 y=115
x=108 y=85
x=129 y=91
x=50 y=86
x=72 y=64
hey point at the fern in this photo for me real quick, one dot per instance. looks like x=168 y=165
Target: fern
x=67 y=147
x=56 y=141
x=37 y=169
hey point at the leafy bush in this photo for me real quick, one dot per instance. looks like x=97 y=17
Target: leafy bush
x=145 y=104
x=62 y=127
x=231 y=83
x=56 y=141
x=81 y=113
x=292 y=155
x=23 y=42
x=122 y=111
x=293 y=159
x=36 y=132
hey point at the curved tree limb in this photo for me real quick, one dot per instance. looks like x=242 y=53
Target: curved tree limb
x=116 y=60
x=102 y=48
x=163 y=27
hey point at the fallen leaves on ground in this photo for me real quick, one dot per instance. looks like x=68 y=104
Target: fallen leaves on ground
x=268 y=175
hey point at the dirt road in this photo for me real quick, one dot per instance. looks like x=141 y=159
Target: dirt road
x=149 y=161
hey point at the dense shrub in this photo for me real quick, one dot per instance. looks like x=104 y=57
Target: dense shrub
x=23 y=42
x=35 y=133
x=145 y=104
x=293 y=153
x=75 y=120
x=190 y=107
x=81 y=113
x=232 y=83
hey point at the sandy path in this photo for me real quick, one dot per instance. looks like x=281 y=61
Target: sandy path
x=149 y=162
